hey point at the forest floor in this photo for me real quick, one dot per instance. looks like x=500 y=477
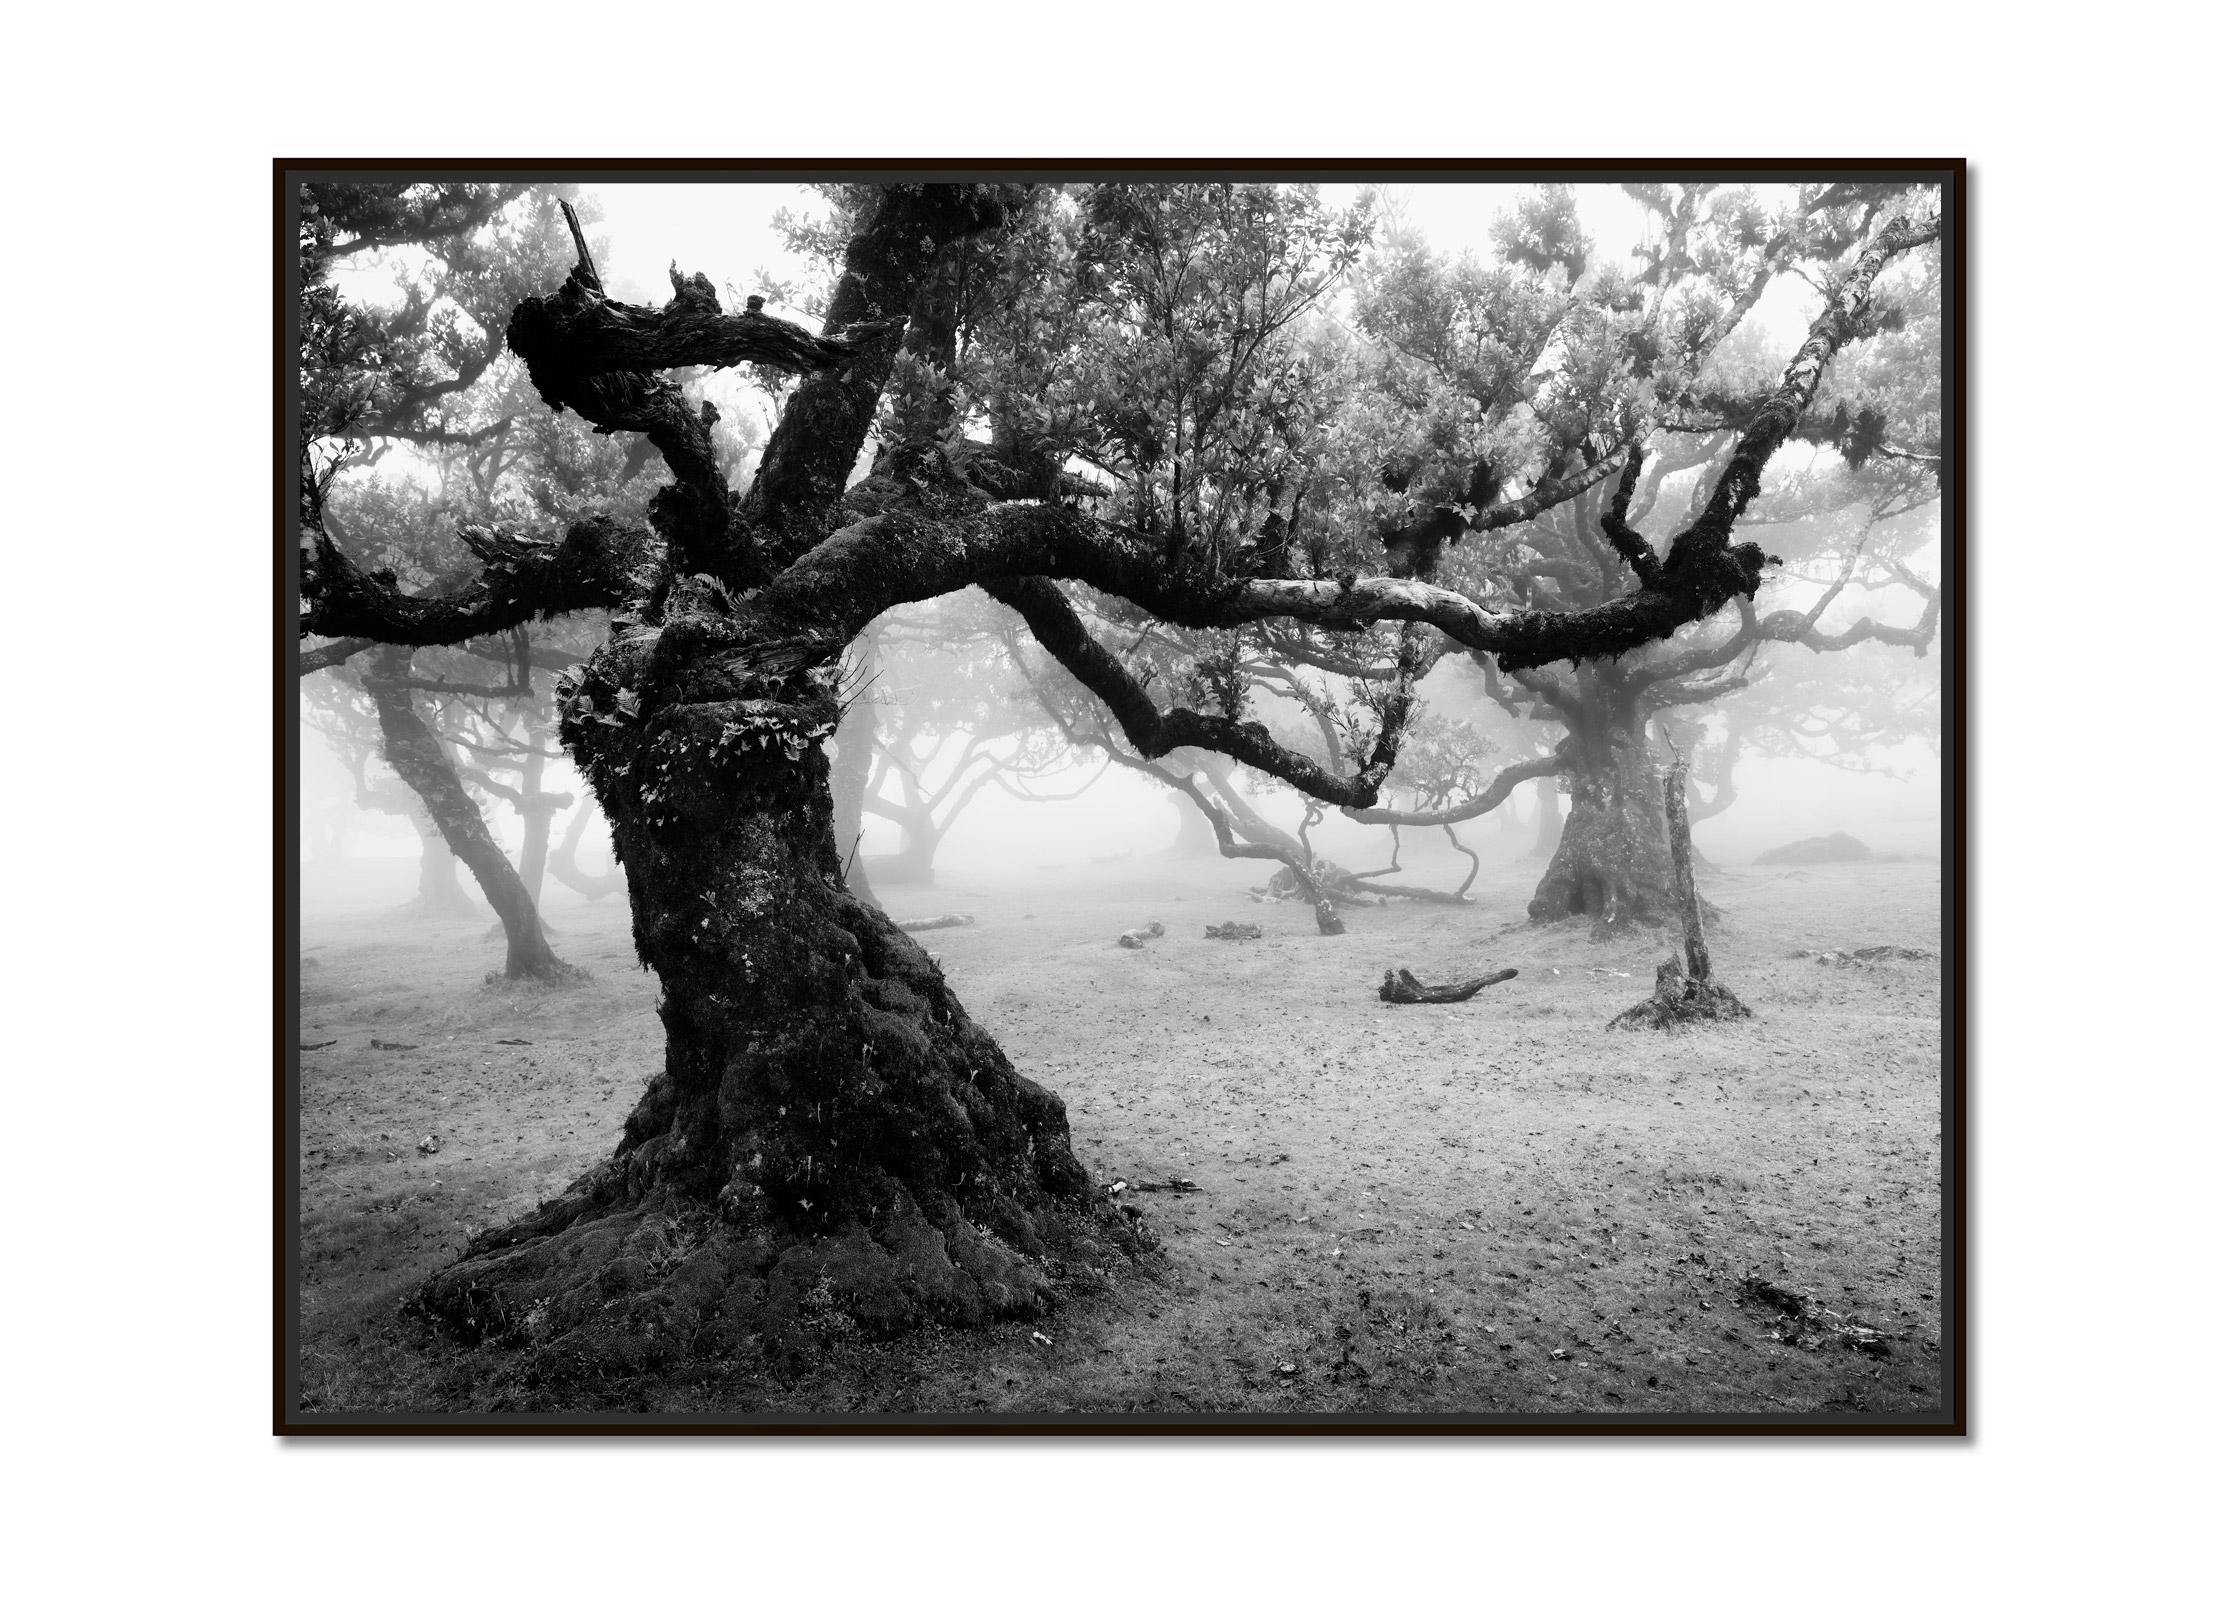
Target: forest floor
x=1495 y=1206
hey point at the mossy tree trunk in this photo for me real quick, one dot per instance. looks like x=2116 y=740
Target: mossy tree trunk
x=536 y=808
x=830 y=1135
x=1610 y=864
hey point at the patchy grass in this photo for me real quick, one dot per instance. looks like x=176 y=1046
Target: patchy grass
x=1495 y=1206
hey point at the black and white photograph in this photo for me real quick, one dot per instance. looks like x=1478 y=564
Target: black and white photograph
x=1198 y=797
x=1202 y=801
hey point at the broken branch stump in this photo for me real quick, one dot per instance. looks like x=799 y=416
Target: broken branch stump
x=1685 y=992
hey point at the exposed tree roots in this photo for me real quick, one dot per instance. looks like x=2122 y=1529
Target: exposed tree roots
x=649 y=1285
x=868 y=1165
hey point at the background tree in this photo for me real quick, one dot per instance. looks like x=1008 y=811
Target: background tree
x=1655 y=346
x=948 y=719
x=829 y=1127
x=345 y=718
x=424 y=450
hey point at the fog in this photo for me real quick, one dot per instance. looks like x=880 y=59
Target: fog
x=356 y=861
x=1492 y=614
x=1876 y=779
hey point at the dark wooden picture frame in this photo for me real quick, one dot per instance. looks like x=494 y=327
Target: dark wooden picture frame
x=1779 y=1319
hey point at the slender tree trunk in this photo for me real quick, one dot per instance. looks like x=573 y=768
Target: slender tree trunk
x=1682 y=842
x=832 y=1141
x=412 y=748
x=536 y=819
x=1685 y=992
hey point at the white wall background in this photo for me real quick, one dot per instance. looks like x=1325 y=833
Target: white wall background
x=139 y=274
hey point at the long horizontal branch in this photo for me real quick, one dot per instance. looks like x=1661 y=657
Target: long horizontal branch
x=1493 y=794
x=1265 y=845
x=522 y=580
x=896 y=558
x=1155 y=733
x=1664 y=686
x=330 y=655
x=1271 y=848
x=1003 y=782
x=901 y=556
x=1790 y=627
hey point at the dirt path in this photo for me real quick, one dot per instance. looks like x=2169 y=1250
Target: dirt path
x=1492 y=1206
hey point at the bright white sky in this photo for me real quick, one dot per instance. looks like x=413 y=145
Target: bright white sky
x=723 y=229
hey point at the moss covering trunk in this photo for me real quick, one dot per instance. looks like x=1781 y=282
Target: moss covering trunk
x=1611 y=863
x=831 y=1140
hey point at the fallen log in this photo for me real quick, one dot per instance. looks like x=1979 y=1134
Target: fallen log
x=1152 y=1185
x=1404 y=988
x=928 y=924
x=1233 y=930
x=1864 y=955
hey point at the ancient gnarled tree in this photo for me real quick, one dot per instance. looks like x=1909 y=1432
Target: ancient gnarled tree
x=829 y=1128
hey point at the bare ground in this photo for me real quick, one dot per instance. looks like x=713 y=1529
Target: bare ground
x=1495 y=1206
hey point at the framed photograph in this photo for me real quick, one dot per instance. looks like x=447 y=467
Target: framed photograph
x=1189 y=798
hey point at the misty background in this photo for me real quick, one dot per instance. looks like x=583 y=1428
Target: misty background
x=1883 y=789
